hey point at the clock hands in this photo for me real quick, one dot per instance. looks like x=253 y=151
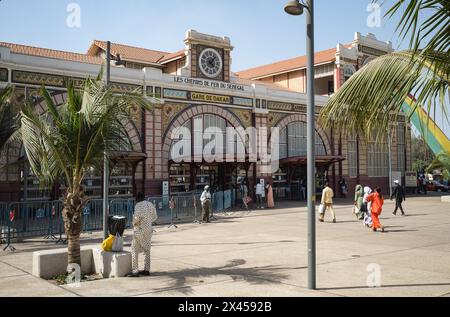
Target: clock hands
x=212 y=61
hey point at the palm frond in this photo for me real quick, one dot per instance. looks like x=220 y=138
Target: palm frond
x=373 y=97
x=442 y=161
x=427 y=24
x=70 y=140
x=43 y=147
x=9 y=121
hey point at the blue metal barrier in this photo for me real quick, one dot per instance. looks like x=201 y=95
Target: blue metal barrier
x=44 y=218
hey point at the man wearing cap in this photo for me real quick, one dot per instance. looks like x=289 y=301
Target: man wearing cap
x=205 y=199
x=400 y=196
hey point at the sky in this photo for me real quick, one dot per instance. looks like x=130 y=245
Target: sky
x=259 y=30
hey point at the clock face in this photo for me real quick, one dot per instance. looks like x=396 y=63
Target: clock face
x=210 y=63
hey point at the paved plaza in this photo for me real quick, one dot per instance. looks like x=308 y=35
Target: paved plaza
x=264 y=254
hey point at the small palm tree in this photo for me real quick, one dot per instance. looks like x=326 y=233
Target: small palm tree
x=441 y=162
x=9 y=121
x=374 y=96
x=68 y=141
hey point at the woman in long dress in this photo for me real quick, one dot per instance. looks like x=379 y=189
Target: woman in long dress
x=368 y=204
x=359 y=196
x=270 y=200
x=377 y=202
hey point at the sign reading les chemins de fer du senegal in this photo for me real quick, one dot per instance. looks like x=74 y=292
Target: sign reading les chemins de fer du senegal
x=208 y=83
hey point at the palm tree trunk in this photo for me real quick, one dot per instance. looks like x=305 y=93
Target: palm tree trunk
x=73 y=224
x=74 y=249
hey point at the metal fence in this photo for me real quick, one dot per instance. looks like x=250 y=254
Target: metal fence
x=22 y=220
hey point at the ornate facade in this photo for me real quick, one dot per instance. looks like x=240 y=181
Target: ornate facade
x=198 y=89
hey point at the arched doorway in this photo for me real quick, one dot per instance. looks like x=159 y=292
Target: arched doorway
x=197 y=136
x=292 y=174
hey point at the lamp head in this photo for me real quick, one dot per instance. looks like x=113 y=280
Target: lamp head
x=294 y=7
x=118 y=61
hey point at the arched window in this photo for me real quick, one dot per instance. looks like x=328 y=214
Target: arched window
x=293 y=141
x=208 y=133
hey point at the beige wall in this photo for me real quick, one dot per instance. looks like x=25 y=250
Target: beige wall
x=174 y=67
x=321 y=85
x=293 y=80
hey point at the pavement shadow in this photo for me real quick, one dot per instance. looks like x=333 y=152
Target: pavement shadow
x=383 y=286
x=400 y=230
x=220 y=243
x=264 y=275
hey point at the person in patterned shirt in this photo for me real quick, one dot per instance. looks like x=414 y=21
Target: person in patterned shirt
x=144 y=216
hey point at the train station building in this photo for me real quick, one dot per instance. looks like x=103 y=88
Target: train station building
x=198 y=91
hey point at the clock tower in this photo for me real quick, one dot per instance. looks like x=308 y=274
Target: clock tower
x=209 y=56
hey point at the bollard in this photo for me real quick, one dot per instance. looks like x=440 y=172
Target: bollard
x=12 y=215
x=50 y=234
x=61 y=227
x=212 y=217
x=172 y=206
x=195 y=211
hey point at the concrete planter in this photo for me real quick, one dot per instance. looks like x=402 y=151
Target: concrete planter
x=50 y=263
x=445 y=199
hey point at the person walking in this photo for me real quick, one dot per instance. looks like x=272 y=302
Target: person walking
x=344 y=188
x=205 y=200
x=359 y=201
x=244 y=194
x=367 y=207
x=377 y=201
x=327 y=202
x=400 y=197
x=270 y=200
x=259 y=195
x=302 y=190
x=144 y=216
x=424 y=184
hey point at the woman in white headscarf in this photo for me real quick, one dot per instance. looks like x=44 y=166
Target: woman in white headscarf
x=368 y=206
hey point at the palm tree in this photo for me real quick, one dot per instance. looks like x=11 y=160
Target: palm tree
x=68 y=141
x=441 y=162
x=374 y=96
x=9 y=122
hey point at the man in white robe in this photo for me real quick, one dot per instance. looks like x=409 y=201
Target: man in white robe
x=205 y=199
x=144 y=217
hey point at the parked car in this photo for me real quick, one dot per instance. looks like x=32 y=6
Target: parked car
x=435 y=186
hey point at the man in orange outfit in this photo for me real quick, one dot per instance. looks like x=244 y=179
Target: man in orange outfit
x=377 y=207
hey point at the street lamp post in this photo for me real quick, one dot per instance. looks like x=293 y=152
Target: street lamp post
x=118 y=62
x=294 y=7
x=105 y=158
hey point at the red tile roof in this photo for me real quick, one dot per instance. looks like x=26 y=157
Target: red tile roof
x=274 y=86
x=172 y=56
x=129 y=53
x=126 y=52
x=49 y=53
x=287 y=65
